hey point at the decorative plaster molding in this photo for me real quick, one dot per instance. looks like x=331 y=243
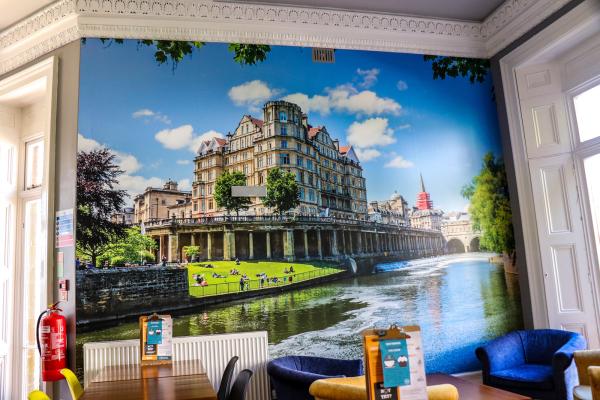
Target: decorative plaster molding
x=224 y=21
x=513 y=19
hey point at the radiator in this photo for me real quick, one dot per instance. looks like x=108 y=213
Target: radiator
x=214 y=351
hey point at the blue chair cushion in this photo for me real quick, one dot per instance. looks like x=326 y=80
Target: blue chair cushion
x=526 y=376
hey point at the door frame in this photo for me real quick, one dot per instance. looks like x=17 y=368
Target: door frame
x=15 y=89
x=575 y=27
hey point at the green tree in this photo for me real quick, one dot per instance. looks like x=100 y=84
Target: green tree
x=474 y=68
x=133 y=247
x=176 y=50
x=97 y=200
x=490 y=206
x=283 y=192
x=192 y=251
x=222 y=193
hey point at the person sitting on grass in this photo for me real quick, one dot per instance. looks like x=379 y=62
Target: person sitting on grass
x=286 y=271
x=244 y=276
x=290 y=279
x=237 y=261
x=291 y=269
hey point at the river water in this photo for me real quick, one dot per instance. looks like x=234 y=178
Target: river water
x=459 y=305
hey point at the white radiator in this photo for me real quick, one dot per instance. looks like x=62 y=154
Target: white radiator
x=214 y=351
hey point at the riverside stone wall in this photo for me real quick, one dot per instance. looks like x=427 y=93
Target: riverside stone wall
x=118 y=293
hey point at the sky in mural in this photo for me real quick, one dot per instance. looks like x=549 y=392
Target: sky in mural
x=401 y=122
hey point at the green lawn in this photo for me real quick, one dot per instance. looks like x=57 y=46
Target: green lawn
x=231 y=283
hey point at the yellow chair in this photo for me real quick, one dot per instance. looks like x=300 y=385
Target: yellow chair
x=588 y=369
x=354 y=388
x=37 y=395
x=73 y=382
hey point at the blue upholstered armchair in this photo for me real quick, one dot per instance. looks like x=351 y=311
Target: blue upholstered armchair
x=537 y=363
x=291 y=376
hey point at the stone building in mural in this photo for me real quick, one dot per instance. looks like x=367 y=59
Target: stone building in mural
x=423 y=215
x=393 y=211
x=154 y=203
x=329 y=175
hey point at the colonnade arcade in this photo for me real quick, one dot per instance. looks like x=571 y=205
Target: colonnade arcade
x=293 y=241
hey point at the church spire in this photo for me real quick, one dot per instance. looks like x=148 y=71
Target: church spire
x=423 y=200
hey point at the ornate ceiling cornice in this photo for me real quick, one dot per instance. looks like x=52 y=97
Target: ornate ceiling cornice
x=207 y=20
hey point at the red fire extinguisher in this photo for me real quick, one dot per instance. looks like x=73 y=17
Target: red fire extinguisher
x=51 y=333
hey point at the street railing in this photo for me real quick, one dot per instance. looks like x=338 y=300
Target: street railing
x=217 y=289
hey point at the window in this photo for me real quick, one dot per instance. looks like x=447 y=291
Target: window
x=299 y=161
x=283 y=130
x=34 y=166
x=299 y=147
x=301 y=193
x=284 y=144
x=587 y=105
x=282 y=116
x=210 y=204
x=246 y=169
x=260 y=162
x=309 y=164
x=284 y=158
x=269 y=159
x=311 y=195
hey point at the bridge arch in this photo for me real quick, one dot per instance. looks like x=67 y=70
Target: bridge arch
x=474 y=244
x=455 y=246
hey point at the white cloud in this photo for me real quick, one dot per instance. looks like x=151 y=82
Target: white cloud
x=404 y=126
x=365 y=155
x=144 y=112
x=87 y=144
x=148 y=114
x=347 y=98
x=184 y=184
x=176 y=138
x=401 y=85
x=370 y=133
x=316 y=103
x=368 y=76
x=135 y=184
x=184 y=137
x=399 y=162
x=183 y=162
x=252 y=94
x=127 y=162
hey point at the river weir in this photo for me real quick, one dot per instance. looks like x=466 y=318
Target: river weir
x=459 y=301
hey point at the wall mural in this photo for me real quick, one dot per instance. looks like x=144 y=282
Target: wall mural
x=386 y=199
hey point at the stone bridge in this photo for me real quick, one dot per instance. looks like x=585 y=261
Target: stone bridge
x=289 y=238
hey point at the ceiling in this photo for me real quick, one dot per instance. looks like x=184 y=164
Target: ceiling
x=467 y=10
x=12 y=11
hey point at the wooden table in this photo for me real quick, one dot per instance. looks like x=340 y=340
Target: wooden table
x=182 y=380
x=473 y=391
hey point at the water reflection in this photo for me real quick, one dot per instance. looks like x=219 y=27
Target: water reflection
x=458 y=307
